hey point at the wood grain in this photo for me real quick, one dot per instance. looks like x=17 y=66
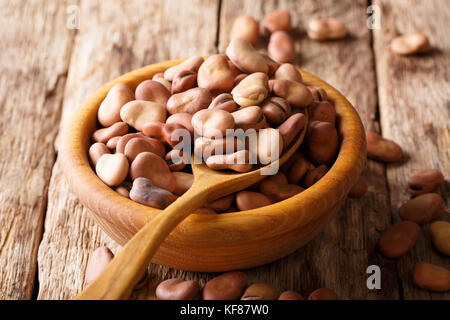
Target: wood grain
x=34 y=58
x=414 y=97
x=114 y=37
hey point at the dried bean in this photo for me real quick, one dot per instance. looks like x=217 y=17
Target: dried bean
x=137 y=145
x=290 y=295
x=424 y=208
x=313 y=175
x=228 y=286
x=294 y=92
x=252 y=90
x=146 y=193
x=138 y=112
x=150 y=90
x=109 y=110
x=224 y=102
x=248 y=200
x=319 y=94
x=323 y=294
x=399 y=239
x=183 y=80
x=424 y=181
x=249 y=118
x=189 y=101
x=104 y=134
x=215 y=74
x=183 y=181
x=98 y=261
x=411 y=44
x=323 y=142
x=96 y=151
x=290 y=128
x=237 y=161
x=112 y=169
x=245 y=27
x=153 y=167
x=245 y=57
x=359 y=189
x=381 y=149
x=260 y=291
x=191 y=64
x=431 y=277
x=278 y=20
x=281 y=47
x=276 y=110
x=440 y=232
x=212 y=123
x=288 y=71
x=174 y=159
x=322 y=111
x=326 y=29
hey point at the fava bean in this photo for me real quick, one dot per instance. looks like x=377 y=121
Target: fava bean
x=245 y=27
x=98 y=261
x=191 y=64
x=104 y=134
x=440 y=232
x=227 y=286
x=281 y=47
x=326 y=29
x=381 y=149
x=146 y=193
x=150 y=90
x=143 y=144
x=224 y=102
x=252 y=90
x=313 y=175
x=359 y=189
x=183 y=80
x=278 y=192
x=206 y=147
x=120 y=147
x=298 y=169
x=410 y=44
x=290 y=128
x=138 y=112
x=183 y=181
x=189 y=101
x=215 y=74
x=177 y=289
x=249 y=118
x=248 y=200
x=290 y=295
x=424 y=181
x=272 y=64
x=270 y=145
x=124 y=189
x=294 y=92
x=260 y=291
x=278 y=20
x=174 y=159
x=288 y=71
x=245 y=57
x=323 y=142
x=424 y=208
x=154 y=168
x=322 y=111
x=276 y=110
x=222 y=204
x=96 y=151
x=431 y=277
x=319 y=94
x=237 y=161
x=112 y=169
x=109 y=110
x=212 y=123
x=323 y=294
x=183 y=119
x=399 y=239
x=112 y=143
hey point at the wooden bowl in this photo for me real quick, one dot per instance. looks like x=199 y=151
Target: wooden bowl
x=213 y=243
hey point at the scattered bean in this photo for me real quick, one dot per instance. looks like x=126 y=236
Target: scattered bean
x=399 y=239
x=326 y=29
x=146 y=193
x=228 y=286
x=260 y=291
x=98 y=261
x=381 y=149
x=281 y=47
x=411 y=44
x=278 y=20
x=112 y=169
x=290 y=295
x=440 y=231
x=424 y=181
x=323 y=294
x=109 y=110
x=424 y=208
x=245 y=27
x=177 y=289
x=431 y=277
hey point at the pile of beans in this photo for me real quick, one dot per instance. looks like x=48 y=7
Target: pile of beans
x=137 y=150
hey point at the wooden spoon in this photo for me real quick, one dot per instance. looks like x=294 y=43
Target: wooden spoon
x=129 y=266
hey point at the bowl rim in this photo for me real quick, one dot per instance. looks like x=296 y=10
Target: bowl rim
x=332 y=188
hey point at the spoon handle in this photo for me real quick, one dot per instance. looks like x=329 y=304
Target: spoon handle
x=127 y=268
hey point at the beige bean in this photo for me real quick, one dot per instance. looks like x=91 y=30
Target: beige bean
x=319 y=94
x=227 y=286
x=423 y=209
x=399 y=239
x=381 y=149
x=104 y=134
x=112 y=169
x=183 y=181
x=424 y=181
x=109 y=110
x=269 y=147
x=252 y=90
x=281 y=47
x=206 y=147
x=260 y=291
x=290 y=128
x=112 y=143
x=154 y=168
x=411 y=44
x=322 y=111
x=98 y=261
x=294 y=92
x=215 y=74
x=137 y=145
x=221 y=204
x=313 y=175
x=146 y=193
x=272 y=64
x=138 y=112
x=288 y=71
x=212 y=123
x=431 y=277
x=323 y=294
x=96 y=151
x=245 y=57
x=189 y=101
x=191 y=64
x=124 y=189
x=153 y=129
x=183 y=80
x=245 y=27
x=440 y=232
x=177 y=289
x=167 y=84
x=248 y=200
x=237 y=161
x=278 y=20
x=249 y=118
x=150 y=90
x=225 y=102
x=276 y=110
x=326 y=29
x=174 y=159
x=290 y=295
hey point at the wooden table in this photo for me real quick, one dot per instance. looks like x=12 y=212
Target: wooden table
x=48 y=69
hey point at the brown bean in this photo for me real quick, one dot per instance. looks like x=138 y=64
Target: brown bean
x=146 y=193
x=359 y=189
x=104 y=134
x=183 y=80
x=323 y=142
x=227 y=286
x=431 y=277
x=191 y=64
x=410 y=44
x=319 y=94
x=424 y=181
x=184 y=119
x=279 y=178
x=177 y=289
x=96 y=151
x=189 y=101
x=381 y=149
x=322 y=111
x=326 y=29
x=212 y=123
x=112 y=169
x=153 y=167
x=98 y=261
x=290 y=128
x=215 y=74
x=281 y=47
x=290 y=295
x=276 y=110
x=174 y=159
x=424 y=208
x=272 y=64
x=298 y=169
x=252 y=90
x=249 y=118
x=248 y=200
x=124 y=189
x=173 y=133
x=120 y=147
x=109 y=110
x=224 y=102
x=278 y=192
x=245 y=27
x=137 y=145
x=222 y=204
x=260 y=291
x=398 y=239
x=288 y=71
x=440 y=232
x=150 y=90
x=294 y=92
x=323 y=294
x=206 y=147
x=313 y=175
x=138 y=112
x=112 y=143
x=245 y=57
x=183 y=181
x=237 y=161
x=277 y=20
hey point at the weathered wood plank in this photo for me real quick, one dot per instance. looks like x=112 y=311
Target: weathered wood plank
x=34 y=58
x=414 y=111
x=337 y=258
x=114 y=37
